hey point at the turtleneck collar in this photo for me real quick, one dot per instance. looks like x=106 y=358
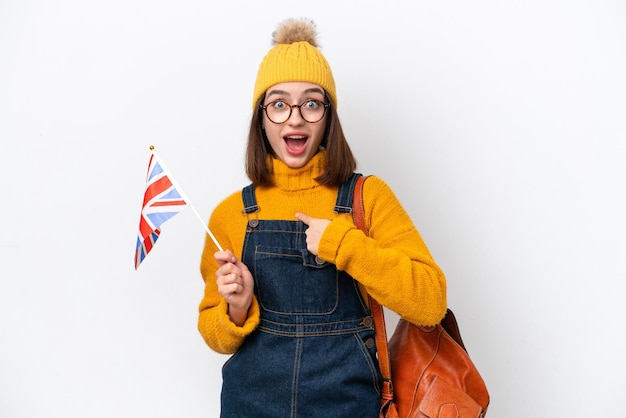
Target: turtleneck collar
x=303 y=178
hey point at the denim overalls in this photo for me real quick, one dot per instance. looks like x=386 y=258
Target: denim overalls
x=314 y=352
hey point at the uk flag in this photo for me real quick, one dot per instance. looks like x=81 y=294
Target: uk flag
x=161 y=202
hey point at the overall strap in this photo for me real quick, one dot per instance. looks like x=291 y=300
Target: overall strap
x=249 y=199
x=345 y=193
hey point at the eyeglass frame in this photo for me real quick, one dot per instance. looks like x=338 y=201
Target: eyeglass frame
x=299 y=106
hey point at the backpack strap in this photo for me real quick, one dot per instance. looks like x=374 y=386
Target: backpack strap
x=358 y=215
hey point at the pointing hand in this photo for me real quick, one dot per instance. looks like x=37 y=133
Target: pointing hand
x=314 y=232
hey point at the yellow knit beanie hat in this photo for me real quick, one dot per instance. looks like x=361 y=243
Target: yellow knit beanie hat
x=294 y=57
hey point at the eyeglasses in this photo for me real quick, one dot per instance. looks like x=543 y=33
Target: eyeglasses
x=311 y=110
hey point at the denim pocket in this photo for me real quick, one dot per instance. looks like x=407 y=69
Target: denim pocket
x=291 y=281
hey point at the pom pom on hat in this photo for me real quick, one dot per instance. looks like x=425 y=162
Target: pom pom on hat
x=294 y=57
x=295 y=30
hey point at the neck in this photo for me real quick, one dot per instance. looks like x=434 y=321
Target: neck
x=293 y=179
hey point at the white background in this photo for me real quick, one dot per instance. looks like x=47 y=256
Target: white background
x=499 y=125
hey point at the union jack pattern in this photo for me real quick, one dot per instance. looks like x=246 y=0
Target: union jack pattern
x=161 y=202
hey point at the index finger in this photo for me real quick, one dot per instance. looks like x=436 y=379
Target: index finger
x=304 y=218
x=225 y=257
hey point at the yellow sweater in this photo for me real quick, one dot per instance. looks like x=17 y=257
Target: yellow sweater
x=393 y=264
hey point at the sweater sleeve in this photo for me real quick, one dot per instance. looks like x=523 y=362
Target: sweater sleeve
x=392 y=263
x=214 y=324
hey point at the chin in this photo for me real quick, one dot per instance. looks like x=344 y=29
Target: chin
x=296 y=162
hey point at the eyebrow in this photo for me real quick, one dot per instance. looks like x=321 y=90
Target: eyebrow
x=307 y=91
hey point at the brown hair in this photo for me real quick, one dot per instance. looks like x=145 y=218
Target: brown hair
x=340 y=163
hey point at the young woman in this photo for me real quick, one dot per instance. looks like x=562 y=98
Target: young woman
x=288 y=297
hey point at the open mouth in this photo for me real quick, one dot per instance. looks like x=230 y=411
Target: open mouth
x=296 y=143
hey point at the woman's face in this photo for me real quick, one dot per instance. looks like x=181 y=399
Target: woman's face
x=295 y=141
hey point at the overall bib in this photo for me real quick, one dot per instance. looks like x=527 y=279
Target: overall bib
x=313 y=353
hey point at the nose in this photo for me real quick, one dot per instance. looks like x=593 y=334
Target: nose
x=296 y=117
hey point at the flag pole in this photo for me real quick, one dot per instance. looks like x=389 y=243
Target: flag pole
x=206 y=228
x=186 y=199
